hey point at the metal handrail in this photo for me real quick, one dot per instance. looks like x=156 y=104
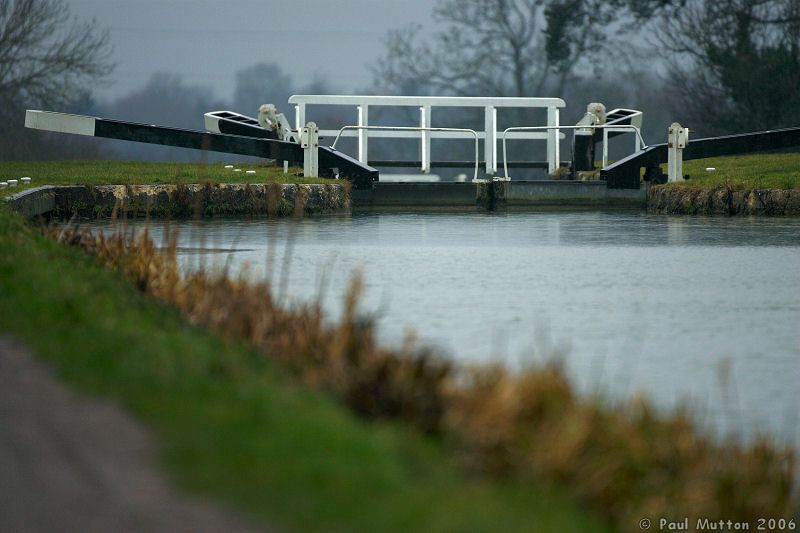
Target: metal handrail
x=414 y=101
x=420 y=129
x=606 y=128
x=490 y=106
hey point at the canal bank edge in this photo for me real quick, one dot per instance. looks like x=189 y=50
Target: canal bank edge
x=182 y=201
x=186 y=201
x=723 y=200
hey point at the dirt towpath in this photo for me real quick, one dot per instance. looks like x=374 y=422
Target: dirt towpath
x=68 y=463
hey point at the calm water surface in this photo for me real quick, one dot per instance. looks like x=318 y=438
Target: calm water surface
x=691 y=310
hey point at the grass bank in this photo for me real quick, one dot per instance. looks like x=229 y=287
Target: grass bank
x=238 y=426
x=758 y=184
x=756 y=171
x=145 y=173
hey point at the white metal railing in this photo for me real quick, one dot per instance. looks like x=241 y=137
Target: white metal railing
x=420 y=129
x=640 y=144
x=425 y=133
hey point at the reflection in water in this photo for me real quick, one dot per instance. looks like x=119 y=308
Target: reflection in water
x=676 y=231
x=704 y=310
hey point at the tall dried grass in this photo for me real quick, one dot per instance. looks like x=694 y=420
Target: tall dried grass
x=627 y=461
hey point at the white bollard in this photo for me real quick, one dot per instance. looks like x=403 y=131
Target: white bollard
x=309 y=142
x=250 y=172
x=678 y=139
x=25 y=181
x=3 y=184
x=228 y=166
x=285 y=167
x=12 y=183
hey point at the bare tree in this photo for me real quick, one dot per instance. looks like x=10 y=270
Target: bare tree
x=46 y=59
x=506 y=47
x=738 y=65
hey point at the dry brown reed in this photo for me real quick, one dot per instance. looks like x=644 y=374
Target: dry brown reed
x=627 y=461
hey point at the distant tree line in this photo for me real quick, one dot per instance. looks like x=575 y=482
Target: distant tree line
x=738 y=69
x=718 y=66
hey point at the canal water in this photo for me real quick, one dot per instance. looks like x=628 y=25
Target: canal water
x=694 y=311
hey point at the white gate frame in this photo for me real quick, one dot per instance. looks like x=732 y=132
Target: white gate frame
x=425 y=132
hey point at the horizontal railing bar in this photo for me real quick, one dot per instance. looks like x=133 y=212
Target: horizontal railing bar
x=609 y=127
x=458 y=164
x=435 y=135
x=441 y=101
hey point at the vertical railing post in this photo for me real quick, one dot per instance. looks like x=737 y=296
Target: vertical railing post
x=605 y=148
x=490 y=140
x=363 y=135
x=553 y=135
x=425 y=138
x=299 y=116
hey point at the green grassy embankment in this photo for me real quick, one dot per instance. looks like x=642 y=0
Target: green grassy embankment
x=141 y=172
x=755 y=171
x=234 y=425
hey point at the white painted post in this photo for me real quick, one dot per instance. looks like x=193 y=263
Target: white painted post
x=553 y=152
x=363 y=135
x=605 y=148
x=425 y=138
x=309 y=142
x=490 y=142
x=678 y=138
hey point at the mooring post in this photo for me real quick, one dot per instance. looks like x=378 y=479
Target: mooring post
x=678 y=139
x=309 y=142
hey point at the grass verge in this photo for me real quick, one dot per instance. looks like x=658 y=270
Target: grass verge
x=235 y=425
x=756 y=171
x=144 y=173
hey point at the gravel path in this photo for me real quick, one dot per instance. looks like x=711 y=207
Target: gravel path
x=69 y=463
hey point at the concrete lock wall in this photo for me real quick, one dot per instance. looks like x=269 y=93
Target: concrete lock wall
x=497 y=195
x=566 y=193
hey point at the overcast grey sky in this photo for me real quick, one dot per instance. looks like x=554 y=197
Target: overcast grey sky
x=207 y=41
